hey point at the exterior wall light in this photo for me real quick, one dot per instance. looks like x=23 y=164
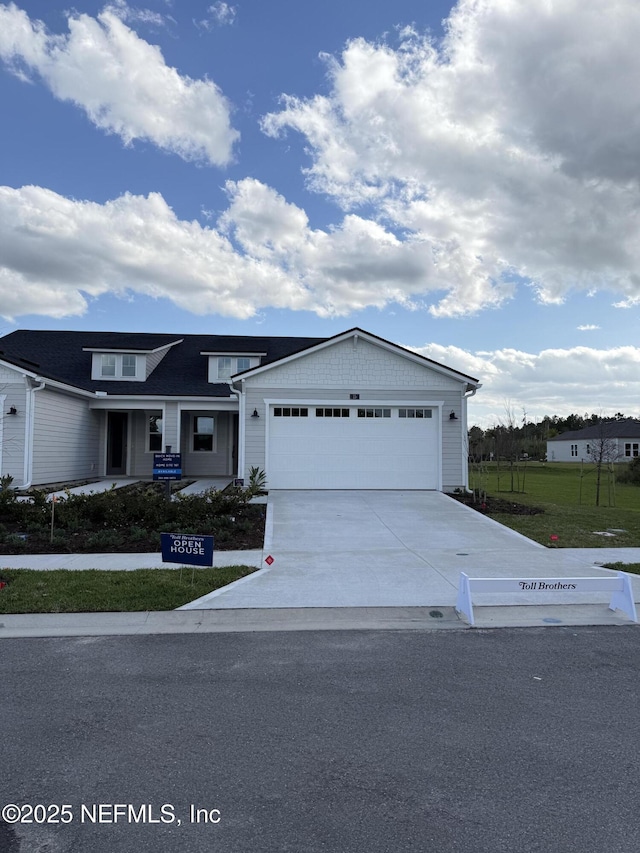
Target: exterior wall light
x=255 y=414
x=453 y=416
x=12 y=410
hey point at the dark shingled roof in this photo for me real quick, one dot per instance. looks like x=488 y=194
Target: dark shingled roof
x=183 y=370
x=625 y=428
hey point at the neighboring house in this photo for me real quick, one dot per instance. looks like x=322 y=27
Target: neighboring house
x=351 y=411
x=619 y=440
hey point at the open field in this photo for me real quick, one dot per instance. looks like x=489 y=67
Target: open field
x=92 y=591
x=567 y=494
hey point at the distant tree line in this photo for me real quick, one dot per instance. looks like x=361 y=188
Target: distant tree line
x=516 y=438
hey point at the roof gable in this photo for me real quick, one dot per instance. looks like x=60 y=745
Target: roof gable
x=355 y=335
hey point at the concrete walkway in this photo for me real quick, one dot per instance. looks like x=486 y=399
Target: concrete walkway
x=396 y=549
x=120 y=562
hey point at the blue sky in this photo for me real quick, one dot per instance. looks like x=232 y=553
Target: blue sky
x=462 y=180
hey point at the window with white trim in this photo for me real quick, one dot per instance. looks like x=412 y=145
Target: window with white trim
x=203 y=434
x=128 y=365
x=116 y=366
x=415 y=413
x=229 y=365
x=154 y=433
x=574 y=449
x=108 y=365
x=632 y=449
x=224 y=367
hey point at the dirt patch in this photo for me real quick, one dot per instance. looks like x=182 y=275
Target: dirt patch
x=491 y=505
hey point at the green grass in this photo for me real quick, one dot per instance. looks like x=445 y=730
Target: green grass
x=65 y=591
x=564 y=483
x=632 y=568
x=567 y=494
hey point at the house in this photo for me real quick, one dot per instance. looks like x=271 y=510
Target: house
x=609 y=441
x=350 y=411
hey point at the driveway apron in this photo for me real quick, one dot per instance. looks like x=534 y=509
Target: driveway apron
x=387 y=548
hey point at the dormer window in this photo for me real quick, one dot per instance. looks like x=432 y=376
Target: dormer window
x=228 y=365
x=108 y=366
x=124 y=364
x=223 y=366
x=115 y=365
x=129 y=365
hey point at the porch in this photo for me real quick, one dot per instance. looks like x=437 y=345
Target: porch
x=205 y=435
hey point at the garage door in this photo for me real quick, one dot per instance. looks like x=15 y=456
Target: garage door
x=348 y=447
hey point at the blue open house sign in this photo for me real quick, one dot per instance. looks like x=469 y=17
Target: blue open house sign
x=187 y=549
x=167 y=466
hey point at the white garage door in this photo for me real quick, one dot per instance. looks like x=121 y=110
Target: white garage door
x=330 y=447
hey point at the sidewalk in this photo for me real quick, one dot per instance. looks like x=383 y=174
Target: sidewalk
x=121 y=562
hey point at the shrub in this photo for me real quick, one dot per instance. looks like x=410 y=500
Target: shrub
x=632 y=473
x=104 y=540
x=257 y=480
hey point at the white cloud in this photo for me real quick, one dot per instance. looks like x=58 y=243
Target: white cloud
x=219 y=15
x=98 y=67
x=588 y=327
x=133 y=13
x=261 y=254
x=58 y=253
x=511 y=149
x=551 y=382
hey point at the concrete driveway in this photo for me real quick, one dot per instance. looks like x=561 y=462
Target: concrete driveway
x=385 y=549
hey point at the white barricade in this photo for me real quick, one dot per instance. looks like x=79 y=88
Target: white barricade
x=619 y=587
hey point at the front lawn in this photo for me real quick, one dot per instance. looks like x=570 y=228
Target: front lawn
x=632 y=568
x=578 y=527
x=92 y=591
x=565 y=495
x=563 y=483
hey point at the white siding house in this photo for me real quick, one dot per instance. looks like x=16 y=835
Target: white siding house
x=352 y=411
x=356 y=412
x=614 y=441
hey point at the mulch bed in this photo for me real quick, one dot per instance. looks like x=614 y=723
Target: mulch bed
x=496 y=506
x=77 y=542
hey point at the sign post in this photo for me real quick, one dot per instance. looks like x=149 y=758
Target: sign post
x=187 y=549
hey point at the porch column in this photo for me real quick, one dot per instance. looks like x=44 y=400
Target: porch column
x=171 y=427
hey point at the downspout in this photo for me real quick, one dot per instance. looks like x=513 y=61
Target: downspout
x=241 y=425
x=466 y=432
x=28 y=429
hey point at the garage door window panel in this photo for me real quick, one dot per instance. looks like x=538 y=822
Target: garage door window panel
x=374 y=413
x=415 y=413
x=331 y=412
x=290 y=412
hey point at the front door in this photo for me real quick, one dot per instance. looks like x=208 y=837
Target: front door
x=117 y=424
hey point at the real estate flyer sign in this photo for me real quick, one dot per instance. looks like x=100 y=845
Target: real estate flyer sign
x=187 y=549
x=167 y=466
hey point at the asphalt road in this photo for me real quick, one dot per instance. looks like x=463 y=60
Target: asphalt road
x=349 y=742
